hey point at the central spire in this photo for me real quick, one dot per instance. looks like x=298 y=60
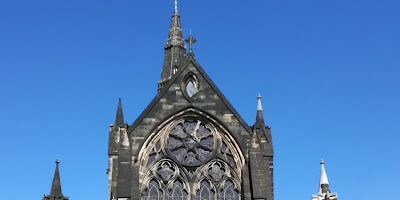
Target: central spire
x=175 y=50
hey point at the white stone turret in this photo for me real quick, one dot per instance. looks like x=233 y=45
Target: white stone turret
x=324 y=193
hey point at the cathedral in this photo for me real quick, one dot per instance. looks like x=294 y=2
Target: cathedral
x=189 y=142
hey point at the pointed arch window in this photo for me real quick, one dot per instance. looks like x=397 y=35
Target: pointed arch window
x=228 y=191
x=174 y=69
x=154 y=191
x=178 y=191
x=205 y=191
x=190 y=87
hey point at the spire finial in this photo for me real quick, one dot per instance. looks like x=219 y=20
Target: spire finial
x=259 y=116
x=57 y=161
x=322 y=162
x=176 y=6
x=259 y=107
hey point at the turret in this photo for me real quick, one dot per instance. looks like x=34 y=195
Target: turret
x=116 y=150
x=55 y=190
x=115 y=129
x=119 y=118
x=262 y=132
x=119 y=158
x=324 y=193
x=261 y=157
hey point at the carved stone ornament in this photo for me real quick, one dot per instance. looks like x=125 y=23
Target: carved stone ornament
x=165 y=171
x=190 y=157
x=216 y=171
x=191 y=142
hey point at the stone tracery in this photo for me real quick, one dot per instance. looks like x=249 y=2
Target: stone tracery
x=207 y=166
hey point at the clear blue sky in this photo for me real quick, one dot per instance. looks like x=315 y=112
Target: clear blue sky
x=328 y=71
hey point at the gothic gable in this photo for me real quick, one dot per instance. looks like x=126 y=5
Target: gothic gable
x=191 y=87
x=189 y=143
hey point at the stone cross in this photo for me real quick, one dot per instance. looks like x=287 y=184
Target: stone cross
x=191 y=40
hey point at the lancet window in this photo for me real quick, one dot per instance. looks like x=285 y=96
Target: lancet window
x=153 y=191
x=206 y=191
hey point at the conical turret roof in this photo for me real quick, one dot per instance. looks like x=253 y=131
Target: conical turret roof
x=323 y=180
x=259 y=116
x=119 y=119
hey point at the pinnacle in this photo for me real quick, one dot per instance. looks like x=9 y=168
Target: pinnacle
x=259 y=116
x=119 y=119
x=323 y=181
x=56 y=184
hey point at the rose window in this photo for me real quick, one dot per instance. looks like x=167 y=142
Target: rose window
x=190 y=142
x=190 y=159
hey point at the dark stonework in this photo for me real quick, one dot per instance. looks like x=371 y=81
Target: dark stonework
x=55 y=190
x=189 y=142
x=175 y=51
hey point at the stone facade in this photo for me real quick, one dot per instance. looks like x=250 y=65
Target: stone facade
x=189 y=142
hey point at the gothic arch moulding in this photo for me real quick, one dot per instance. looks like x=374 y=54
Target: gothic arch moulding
x=188 y=154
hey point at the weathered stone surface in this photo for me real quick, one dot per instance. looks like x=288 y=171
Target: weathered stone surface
x=233 y=160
